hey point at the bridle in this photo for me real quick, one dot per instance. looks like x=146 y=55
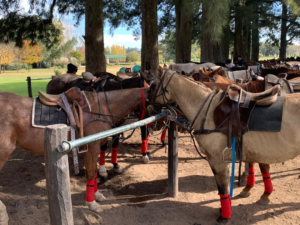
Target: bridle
x=164 y=90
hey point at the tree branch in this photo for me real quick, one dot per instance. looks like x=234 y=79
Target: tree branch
x=51 y=10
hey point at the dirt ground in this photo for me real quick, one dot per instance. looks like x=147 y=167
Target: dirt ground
x=139 y=195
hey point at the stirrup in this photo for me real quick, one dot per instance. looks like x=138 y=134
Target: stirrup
x=223 y=158
x=83 y=151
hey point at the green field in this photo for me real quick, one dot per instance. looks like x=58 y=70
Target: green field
x=15 y=82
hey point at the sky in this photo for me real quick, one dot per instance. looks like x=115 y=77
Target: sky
x=121 y=36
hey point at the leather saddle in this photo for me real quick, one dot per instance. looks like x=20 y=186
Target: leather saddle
x=232 y=114
x=287 y=87
x=79 y=115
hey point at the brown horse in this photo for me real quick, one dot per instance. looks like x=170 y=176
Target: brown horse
x=144 y=79
x=16 y=129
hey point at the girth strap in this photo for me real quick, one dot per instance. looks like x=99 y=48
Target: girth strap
x=74 y=150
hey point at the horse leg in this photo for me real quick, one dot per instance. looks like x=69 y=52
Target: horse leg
x=7 y=147
x=246 y=192
x=163 y=137
x=90 y=159
x=3 y=214
x=265 y=171
x=114 y=153
x=221 y=173
x=144 y=147
x=102 y=169
x=98 y=196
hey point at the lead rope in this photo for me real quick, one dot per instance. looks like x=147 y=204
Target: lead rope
x=74 y=150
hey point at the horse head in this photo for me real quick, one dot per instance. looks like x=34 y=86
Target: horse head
x=147 y=76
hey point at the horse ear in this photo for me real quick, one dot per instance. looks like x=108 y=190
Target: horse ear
x=160 y=71
x=214 y=72
x=143 y=75
x=165 y=65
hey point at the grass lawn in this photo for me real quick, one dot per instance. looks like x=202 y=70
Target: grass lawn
x=15 y=82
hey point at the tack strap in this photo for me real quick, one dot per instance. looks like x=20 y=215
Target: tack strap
x=74 y=150
x=144 y=104
x=232 y=167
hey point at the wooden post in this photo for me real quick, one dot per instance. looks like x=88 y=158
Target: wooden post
x=57 y=176
x=172 y=160
x=29 y=87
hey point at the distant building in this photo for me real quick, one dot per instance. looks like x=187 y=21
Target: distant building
x=114 y=58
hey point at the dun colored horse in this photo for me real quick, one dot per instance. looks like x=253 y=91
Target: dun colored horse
x=261 y=147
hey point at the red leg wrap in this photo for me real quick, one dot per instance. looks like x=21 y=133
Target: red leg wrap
x=90 y=190
x=148 y=138
x=251 y=177
x=163 y=135
x=114 y=155
x=225 y=206
x=268 y=183
x=144 y=146
x=102 y=158
x=95 y=183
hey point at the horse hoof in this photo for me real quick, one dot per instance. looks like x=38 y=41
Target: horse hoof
x=222 y=220
x=244 y=194
x=118 y=169
x=263 y=201
x=3 y=214
x=94 y=206
x=149 y=155
x=163 y=144
x=102 y=171
x=145 y=159
x=99 y=196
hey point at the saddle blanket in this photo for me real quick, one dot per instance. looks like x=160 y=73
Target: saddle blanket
x=267 y=118
x=43 y=115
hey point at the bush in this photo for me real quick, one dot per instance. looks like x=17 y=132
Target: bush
x=16 y=66
x=57 y=72
x=75 y=61
x=133 y=56
x=46 y=64
x=62 y=62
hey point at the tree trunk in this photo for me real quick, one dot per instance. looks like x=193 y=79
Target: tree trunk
x=283 y=41
x=255 y=40
x=210 y=51
x=221 y=49
x=184 y=25
x=242 y=36
x=94 y=42
x=149 y=36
